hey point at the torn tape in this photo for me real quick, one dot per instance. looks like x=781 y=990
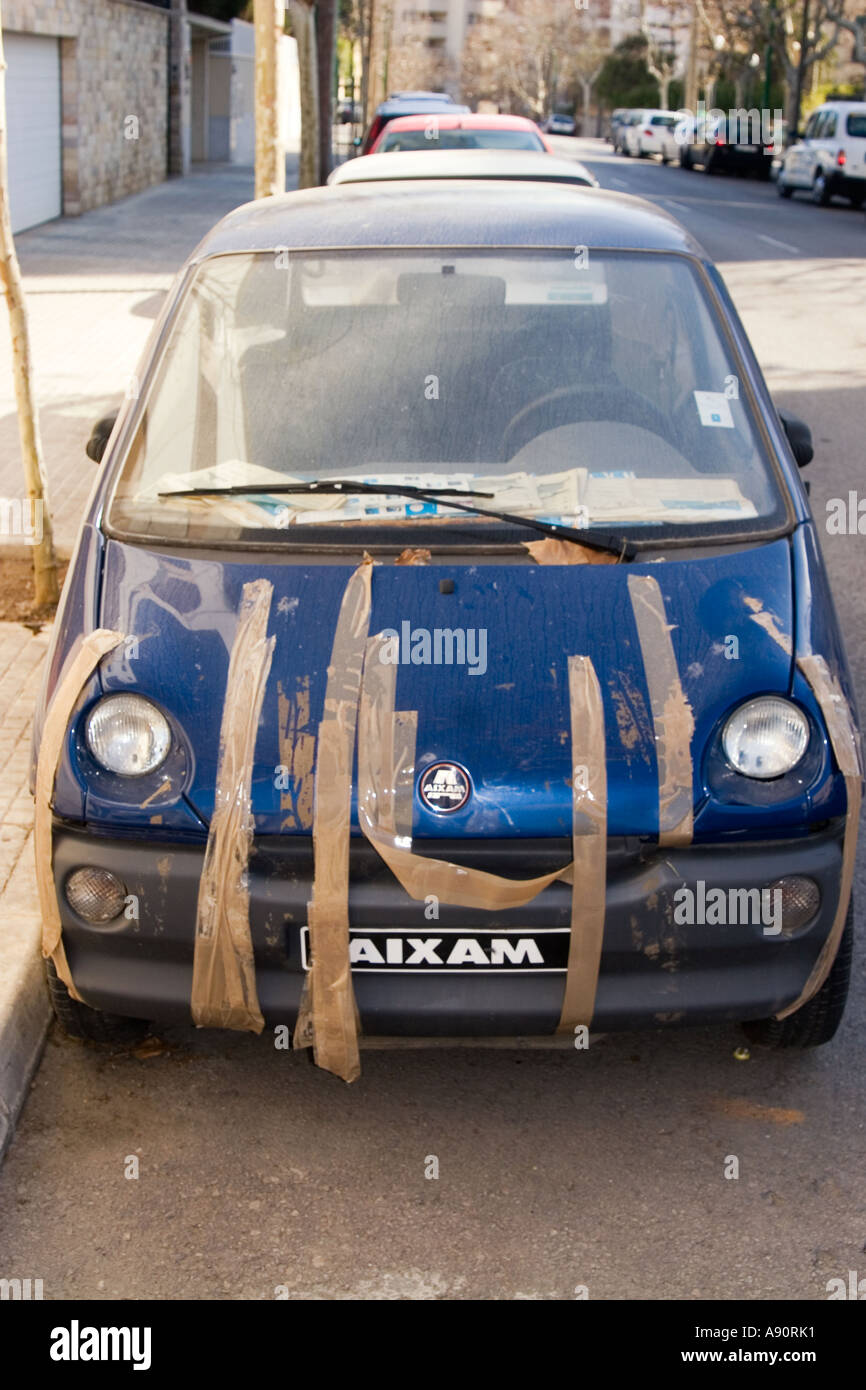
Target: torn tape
x=845 y=742
x=672 y=714
x=93 y=648
x=223 y=976
x=589 y=838
x=328 y=1016
x=554 y=551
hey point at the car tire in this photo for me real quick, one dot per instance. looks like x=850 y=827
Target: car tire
x=782 y=188
x=817 y=1021
x=856 y=201
x=820 y=190
x=686 y=160
x=664 y=158
x=90 y=1025
x=710 y=164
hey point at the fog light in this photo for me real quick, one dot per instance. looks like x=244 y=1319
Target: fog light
x=799 y=901
x=95 y=894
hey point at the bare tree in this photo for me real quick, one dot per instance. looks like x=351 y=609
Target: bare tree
x=662 y=58
x=270 y=156
x=798 y=47
x=303 y=24
x=44 y=562
x=522 y=56
x=326 y=41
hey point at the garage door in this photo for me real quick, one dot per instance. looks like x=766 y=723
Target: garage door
x=33 y=120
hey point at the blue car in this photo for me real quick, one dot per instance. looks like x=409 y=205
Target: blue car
x=447 y=651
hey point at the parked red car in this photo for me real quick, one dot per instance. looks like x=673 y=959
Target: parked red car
x=447 y=131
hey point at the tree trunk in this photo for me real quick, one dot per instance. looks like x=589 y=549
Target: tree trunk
x=270 y=155
x=367 y=18
x=326 y=47
x=304 y=30
x=44 y=562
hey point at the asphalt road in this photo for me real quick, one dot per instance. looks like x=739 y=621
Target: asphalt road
x=603 y=1169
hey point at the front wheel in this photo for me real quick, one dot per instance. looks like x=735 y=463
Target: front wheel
x=817 y=1021
x=782 y=188
x=91 y=1025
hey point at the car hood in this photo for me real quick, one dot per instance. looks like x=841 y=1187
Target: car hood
x=503 y=715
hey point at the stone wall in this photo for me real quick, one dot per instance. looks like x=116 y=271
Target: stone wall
x=114 y=92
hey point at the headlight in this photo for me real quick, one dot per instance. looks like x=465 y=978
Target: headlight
x=127 y=734
x=765 y=737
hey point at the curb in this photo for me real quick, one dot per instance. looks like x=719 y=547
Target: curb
x=24 y=1007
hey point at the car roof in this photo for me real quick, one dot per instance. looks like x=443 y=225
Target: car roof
x=446 y=212
x=463 y=120
x=412 y=105
x=450 y=164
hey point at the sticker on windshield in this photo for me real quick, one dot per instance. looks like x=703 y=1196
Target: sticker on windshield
x=714 y=409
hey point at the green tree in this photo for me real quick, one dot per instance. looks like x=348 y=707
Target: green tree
x=625 y=79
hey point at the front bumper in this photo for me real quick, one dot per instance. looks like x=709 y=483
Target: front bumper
x=653 y=970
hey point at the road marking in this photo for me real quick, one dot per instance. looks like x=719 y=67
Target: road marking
x=619 y=182
x=771 y=241
x=681 y=207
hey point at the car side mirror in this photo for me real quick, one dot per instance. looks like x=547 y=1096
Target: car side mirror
x=95 y=446
x=799 y=437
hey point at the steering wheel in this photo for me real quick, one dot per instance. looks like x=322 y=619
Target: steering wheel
x=594 y=402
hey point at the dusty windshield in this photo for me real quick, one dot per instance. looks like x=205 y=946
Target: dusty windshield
x=589 y=389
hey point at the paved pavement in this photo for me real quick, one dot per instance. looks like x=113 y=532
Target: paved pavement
x=94 y=286
x=604 y=1168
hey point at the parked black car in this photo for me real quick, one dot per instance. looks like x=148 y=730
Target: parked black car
x=725 y=145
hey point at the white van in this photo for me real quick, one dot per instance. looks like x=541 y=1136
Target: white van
x=830 y=160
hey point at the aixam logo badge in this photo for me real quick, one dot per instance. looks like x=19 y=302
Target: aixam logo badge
x=444 y=787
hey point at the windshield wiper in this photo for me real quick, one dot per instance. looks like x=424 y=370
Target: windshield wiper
x=617 y=545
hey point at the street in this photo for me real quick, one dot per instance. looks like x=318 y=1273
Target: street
x=558 y=1174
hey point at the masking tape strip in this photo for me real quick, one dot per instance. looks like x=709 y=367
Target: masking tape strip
x=328 y=1016
x=671 y=711
x=223 y=991
x=845 y=742
x=419 y=876
x=405 y=737
x=589 y=837
x=94 y=647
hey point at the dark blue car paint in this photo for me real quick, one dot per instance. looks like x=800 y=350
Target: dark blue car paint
x=508 y=727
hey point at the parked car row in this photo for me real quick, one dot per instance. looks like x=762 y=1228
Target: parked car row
x=827 y=161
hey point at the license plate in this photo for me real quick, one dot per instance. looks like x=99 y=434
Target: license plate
x=450 y=951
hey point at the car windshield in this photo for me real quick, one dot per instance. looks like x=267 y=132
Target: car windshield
x=433 y=139
x=591 y=388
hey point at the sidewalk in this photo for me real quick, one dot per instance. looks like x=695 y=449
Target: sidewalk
x=23 y=1002
x=94 y=286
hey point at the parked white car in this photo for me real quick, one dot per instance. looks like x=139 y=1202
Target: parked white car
x=830 y=160
x=652 y=133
